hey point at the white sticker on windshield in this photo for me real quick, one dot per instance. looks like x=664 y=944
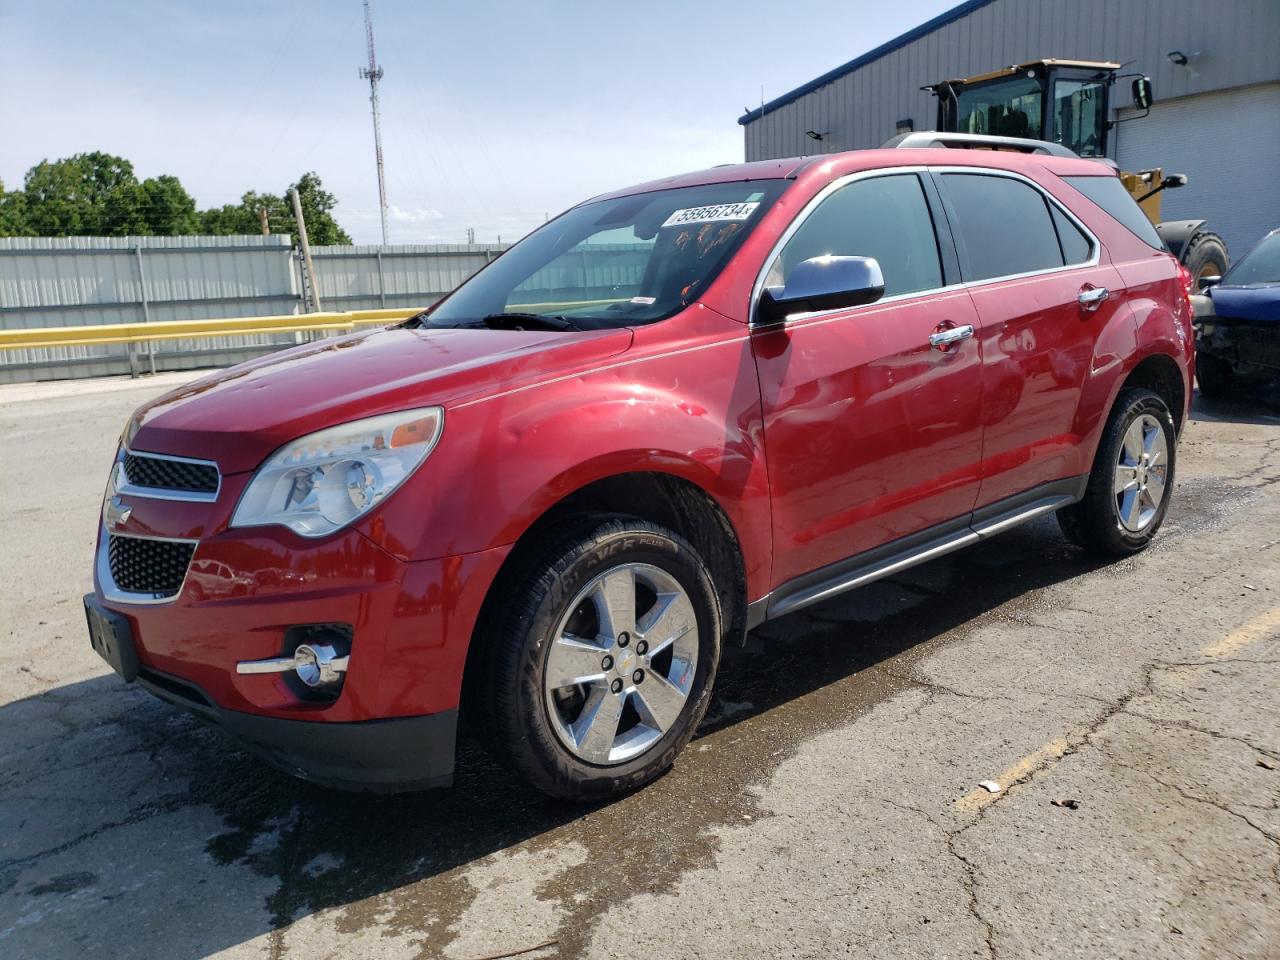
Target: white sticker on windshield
x=718 y=211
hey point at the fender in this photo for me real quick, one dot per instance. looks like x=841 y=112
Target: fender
x=504 y=460
x=1155 y=332
x=1178 y=233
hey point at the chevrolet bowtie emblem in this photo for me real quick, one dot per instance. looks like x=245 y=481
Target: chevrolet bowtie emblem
x=118 y=513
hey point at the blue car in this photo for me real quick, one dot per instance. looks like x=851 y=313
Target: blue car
x=1239 y=338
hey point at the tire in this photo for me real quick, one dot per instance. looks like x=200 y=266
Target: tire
x=1112 y=522
x=1214 y=376
x=1205 y=256
x=576 y=587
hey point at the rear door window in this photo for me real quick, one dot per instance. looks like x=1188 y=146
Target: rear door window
x=882 y=217
x=1003 y=224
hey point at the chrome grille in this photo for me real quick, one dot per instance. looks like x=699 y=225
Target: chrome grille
x=154 y=567
x=165 y=473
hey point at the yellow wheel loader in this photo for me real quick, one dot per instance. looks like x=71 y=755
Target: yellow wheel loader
x=1068 y=102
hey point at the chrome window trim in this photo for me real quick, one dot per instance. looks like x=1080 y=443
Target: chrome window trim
x=124 y=486
x=758 y=288
x=798 y=221
x=107 y=583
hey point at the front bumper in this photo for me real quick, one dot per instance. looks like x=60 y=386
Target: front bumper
x=1252 y=348
x=246 y=594
x=380 y=756
x=196 y=597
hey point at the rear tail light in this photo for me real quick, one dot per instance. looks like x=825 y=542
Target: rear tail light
x=1188 y=284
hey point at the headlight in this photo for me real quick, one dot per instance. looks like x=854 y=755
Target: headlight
x=320 y=483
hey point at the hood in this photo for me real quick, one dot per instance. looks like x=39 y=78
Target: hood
x=240 y=415
x=1259 y=302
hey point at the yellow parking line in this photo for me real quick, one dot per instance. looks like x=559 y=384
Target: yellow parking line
x=1241 y=637
x=1251 y=632
x=979 y=798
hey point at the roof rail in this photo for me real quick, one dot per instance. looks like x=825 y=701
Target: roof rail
x=978 y=141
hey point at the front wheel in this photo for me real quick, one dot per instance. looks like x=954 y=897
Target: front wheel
x=600 y=665
x=1214 y=375
x=1131 y=480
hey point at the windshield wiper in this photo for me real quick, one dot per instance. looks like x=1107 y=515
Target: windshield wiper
x=528 y=321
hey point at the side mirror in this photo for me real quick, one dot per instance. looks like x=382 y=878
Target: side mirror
x=1207 y=282
x=1143 y=95
x=821 y=283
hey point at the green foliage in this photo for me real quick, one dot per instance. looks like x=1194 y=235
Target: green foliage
x=169 y=209
x=90 y=194
x=317 y=209
x=13 y=213
x=97 y=194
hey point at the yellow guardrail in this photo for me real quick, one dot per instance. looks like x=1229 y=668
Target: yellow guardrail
x=338 y=322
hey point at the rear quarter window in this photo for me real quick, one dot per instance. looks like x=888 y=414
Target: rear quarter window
x=1109 y=193
x=1076 y=247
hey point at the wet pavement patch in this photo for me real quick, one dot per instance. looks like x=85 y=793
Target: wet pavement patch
x=66 y=883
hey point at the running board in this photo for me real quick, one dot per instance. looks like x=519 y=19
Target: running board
x=916 y=549
x=863 y=575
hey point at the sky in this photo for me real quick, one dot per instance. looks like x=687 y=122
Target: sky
x=494 y=114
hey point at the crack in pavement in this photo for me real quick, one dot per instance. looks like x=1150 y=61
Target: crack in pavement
x=970 y=884
x=1076 y=744
x=1217 y=734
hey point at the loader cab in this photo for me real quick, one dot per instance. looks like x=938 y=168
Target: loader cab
x=1061 y=101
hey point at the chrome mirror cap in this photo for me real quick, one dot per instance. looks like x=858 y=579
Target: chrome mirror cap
x=822 y=283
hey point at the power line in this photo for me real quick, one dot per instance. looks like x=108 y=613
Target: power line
x=373 y=73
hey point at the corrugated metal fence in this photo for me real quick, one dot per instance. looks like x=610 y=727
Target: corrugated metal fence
x=71 y=281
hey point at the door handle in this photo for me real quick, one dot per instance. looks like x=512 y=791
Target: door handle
x=1091 y=298
x=942 y=339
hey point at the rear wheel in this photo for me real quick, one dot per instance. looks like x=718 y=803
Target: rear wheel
x=1214 y=375
x=601 y=664
x=1132 y=476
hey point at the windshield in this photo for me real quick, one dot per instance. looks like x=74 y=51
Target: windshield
x=1259 y=265
x=614 y=263
x=1007 y=108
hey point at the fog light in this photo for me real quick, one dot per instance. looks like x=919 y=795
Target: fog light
x=318 y=665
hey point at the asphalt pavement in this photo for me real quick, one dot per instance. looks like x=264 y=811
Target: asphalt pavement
x=1127 y=716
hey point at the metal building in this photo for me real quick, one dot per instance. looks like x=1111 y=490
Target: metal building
x=1216 y=117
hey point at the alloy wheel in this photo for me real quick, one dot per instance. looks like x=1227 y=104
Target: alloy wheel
x=1142 y=470
x=621 y=663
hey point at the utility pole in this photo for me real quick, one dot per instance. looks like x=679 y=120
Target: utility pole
x=262 y=219
x=310 y=293
x=373 y=73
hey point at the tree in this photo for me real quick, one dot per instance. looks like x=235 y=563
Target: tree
x=168 y=209
x=93 y=194
x=317 y=205
x=97 y=194
x=13 y=213
x=244 y=217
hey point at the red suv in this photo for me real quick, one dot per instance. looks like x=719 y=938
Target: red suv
x=664 y=417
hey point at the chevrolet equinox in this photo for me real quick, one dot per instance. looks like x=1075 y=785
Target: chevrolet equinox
x=662 y=418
